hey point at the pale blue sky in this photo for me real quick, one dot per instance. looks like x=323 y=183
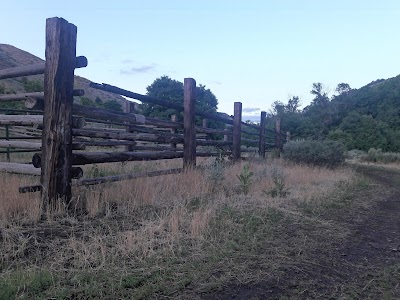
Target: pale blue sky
x=250 y=51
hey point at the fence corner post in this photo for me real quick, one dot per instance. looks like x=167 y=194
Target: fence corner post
x=237 y=130
x=57 y=116
x=189 y=131
x=129 y=109
x=261 y=147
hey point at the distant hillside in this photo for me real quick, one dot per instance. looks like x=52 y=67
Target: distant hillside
x=11 y=56
x=364 y=118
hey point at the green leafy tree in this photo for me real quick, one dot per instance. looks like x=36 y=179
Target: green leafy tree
x=171 y=90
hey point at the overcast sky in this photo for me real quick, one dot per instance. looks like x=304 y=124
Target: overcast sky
x=255 y=52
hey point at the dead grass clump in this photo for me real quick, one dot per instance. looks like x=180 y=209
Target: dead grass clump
x=15 y=206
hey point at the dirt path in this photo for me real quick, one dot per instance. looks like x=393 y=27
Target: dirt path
x=363 y=265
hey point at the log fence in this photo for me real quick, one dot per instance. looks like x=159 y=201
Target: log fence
x=66 y=129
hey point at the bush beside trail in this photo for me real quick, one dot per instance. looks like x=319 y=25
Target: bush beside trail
x=327 y=153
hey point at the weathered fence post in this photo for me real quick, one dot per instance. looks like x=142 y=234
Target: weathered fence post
x=57 y=116
x=237 y=130
x=261 y=147
x=189 y=131
x=287 y=136
x=278 y=143
x=174 y=118
x=129 y=108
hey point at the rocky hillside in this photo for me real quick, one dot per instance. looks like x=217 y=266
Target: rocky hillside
x=11 y=56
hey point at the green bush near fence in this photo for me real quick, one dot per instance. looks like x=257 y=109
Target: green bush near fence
x=377 y=155
x=327 y=153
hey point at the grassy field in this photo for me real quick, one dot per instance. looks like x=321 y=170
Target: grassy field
x=195 y=235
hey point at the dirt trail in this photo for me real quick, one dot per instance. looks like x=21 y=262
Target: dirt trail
x=365 y=265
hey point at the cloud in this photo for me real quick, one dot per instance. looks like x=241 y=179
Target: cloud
x=138 y=69
x=127 y=61
x=250 y=109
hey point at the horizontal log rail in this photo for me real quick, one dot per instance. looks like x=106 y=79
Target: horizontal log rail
x=24 y=96
x=85 y=158
x=22 y=111
x=159 y=138
x=21 y=120
x=34 y=120
x=35 y=69
x=98 y=113
x=20 y=145
x=17 y=151
x=26 y=169
x=99 y=180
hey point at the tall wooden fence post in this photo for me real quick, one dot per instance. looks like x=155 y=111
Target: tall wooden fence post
x=287 y=136
x=261 y=147
x=237 y=130
x=278 y=143
x=57 y=115
x=189 y=132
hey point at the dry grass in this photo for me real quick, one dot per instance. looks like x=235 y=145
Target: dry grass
x=131 y=222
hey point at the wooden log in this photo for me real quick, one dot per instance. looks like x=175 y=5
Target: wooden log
x=84 y=158
x=158 y=138
x=34 y=120
x=30 y=189
x=261 y=145
x=23 y=120
x=189 y=132
x=278 y=134
x=115 y=90
x=98 y=113
x=237 y=122
x=37 y=103
x=36 y=69
x=99 y=180
x=57 y=120
x=24 y=96
x=20 y=145
x=287 y=136
x=15 y=168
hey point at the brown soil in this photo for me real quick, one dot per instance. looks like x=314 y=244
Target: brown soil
x=363 y=265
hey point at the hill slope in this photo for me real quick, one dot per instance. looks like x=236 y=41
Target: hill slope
x=11 y=56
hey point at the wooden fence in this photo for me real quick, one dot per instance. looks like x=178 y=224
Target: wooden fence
x=62 y=126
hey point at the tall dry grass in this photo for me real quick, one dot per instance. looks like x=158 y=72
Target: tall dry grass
x=132 y=220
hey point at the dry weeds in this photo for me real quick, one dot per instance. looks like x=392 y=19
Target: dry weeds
x=128 y=223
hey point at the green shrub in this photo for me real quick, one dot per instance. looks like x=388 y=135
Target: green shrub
x=377 y=155
x=317 y=153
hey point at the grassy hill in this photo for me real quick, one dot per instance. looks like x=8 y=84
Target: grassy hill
x=11 y=56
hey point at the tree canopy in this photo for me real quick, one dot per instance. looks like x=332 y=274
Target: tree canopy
x=171 y=90
x=360 y=118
